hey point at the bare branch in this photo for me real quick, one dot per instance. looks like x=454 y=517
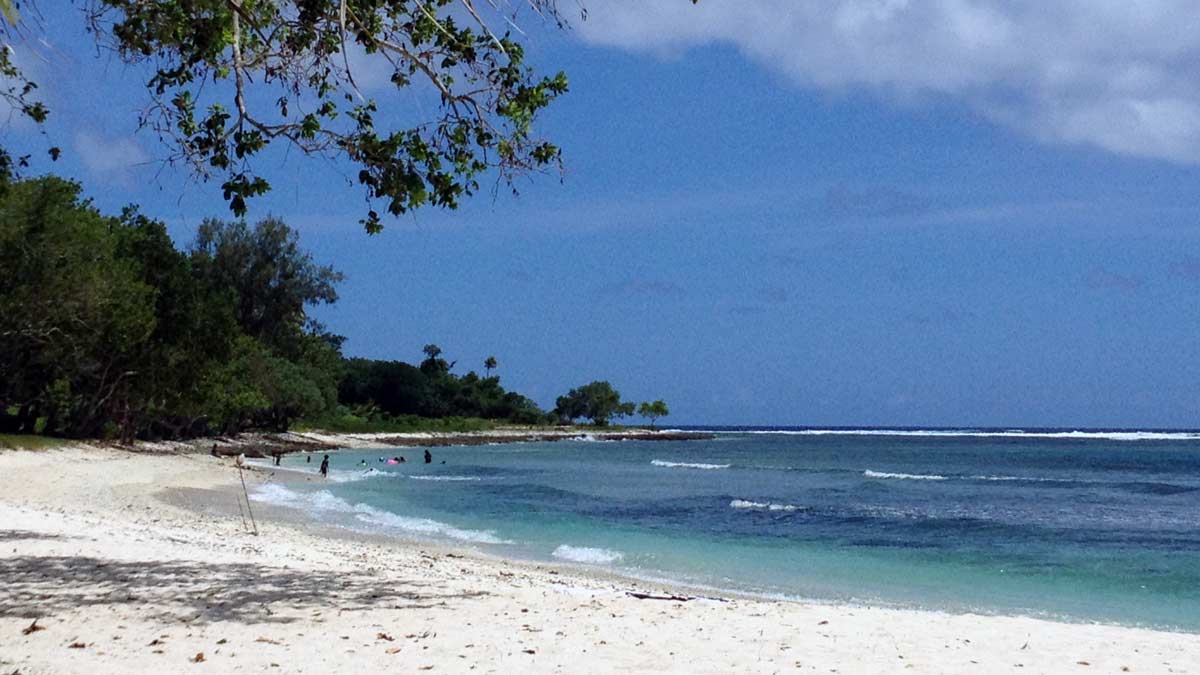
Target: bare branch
x=483 y=25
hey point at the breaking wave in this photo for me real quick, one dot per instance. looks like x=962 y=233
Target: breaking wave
x=322 y=501
x=762 y=506
x=688 y=465
x=902 y=476
x=591 y=556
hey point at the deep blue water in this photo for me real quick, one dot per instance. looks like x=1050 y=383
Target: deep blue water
x=1097 y=526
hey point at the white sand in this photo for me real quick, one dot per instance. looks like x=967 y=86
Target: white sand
x=142 y=560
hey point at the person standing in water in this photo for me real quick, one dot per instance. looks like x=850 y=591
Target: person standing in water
x=325 y=466
x=428 y=457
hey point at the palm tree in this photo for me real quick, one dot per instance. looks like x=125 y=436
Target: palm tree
x=489 y=364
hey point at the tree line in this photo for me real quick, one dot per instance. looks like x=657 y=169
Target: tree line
x=107 y=329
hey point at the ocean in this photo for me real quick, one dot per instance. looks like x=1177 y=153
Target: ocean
x=1090 y=526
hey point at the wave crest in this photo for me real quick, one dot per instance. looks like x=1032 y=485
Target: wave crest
x=322 y=501
x=762 y=506
x=902 y=476
x=584 y=554
x=687 y=465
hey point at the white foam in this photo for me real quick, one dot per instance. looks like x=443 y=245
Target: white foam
x=355 y=476
x=972 y=433
x=323 y=501
x=902 y=476
x=425 y=526
x=688 y=465
x=445 y=478
x=591 y=556
x=764 y=506
x=592 y=438
x=1023 y=479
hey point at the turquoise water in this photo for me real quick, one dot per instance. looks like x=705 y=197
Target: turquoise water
x=1089 y=527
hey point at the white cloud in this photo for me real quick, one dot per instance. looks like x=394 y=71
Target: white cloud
x=1119 y=75
x=111 y=156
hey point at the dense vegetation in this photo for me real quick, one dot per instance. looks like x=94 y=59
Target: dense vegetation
x=108 y=330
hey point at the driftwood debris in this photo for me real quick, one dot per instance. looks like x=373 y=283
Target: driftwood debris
x=652 y=596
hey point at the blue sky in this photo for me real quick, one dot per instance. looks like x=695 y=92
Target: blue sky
x=872 y=215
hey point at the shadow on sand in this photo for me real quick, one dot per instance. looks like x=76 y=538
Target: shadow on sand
x=40 y=586
x=27 y=535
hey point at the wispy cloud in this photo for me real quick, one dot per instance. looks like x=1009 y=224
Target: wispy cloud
x=109 y=157
x=1118 y=76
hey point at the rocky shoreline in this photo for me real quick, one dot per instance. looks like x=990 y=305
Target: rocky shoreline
x=258 y=444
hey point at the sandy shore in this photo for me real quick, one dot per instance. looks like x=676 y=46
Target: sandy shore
x=134 y=562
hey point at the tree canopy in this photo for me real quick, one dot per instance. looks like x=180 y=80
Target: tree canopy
x=652 y=410
x=108 y=330
x=393 y=388
x=231 y=78
x=597 y=401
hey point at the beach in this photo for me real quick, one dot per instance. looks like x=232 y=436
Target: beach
x=115 y=562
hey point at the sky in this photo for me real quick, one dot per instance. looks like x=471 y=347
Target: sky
x=852 y=212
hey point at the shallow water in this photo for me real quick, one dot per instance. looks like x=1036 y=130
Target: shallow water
x=1079 y=526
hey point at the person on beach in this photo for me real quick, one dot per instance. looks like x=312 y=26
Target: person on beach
x=428 y=457
x=214 y=450
x=308 y=459
x=277 y=457
x=325 y=467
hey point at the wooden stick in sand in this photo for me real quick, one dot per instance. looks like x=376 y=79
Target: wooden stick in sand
x=241 y=511
x=246 y=493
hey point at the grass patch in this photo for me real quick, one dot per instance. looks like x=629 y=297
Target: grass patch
x=30 y=442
